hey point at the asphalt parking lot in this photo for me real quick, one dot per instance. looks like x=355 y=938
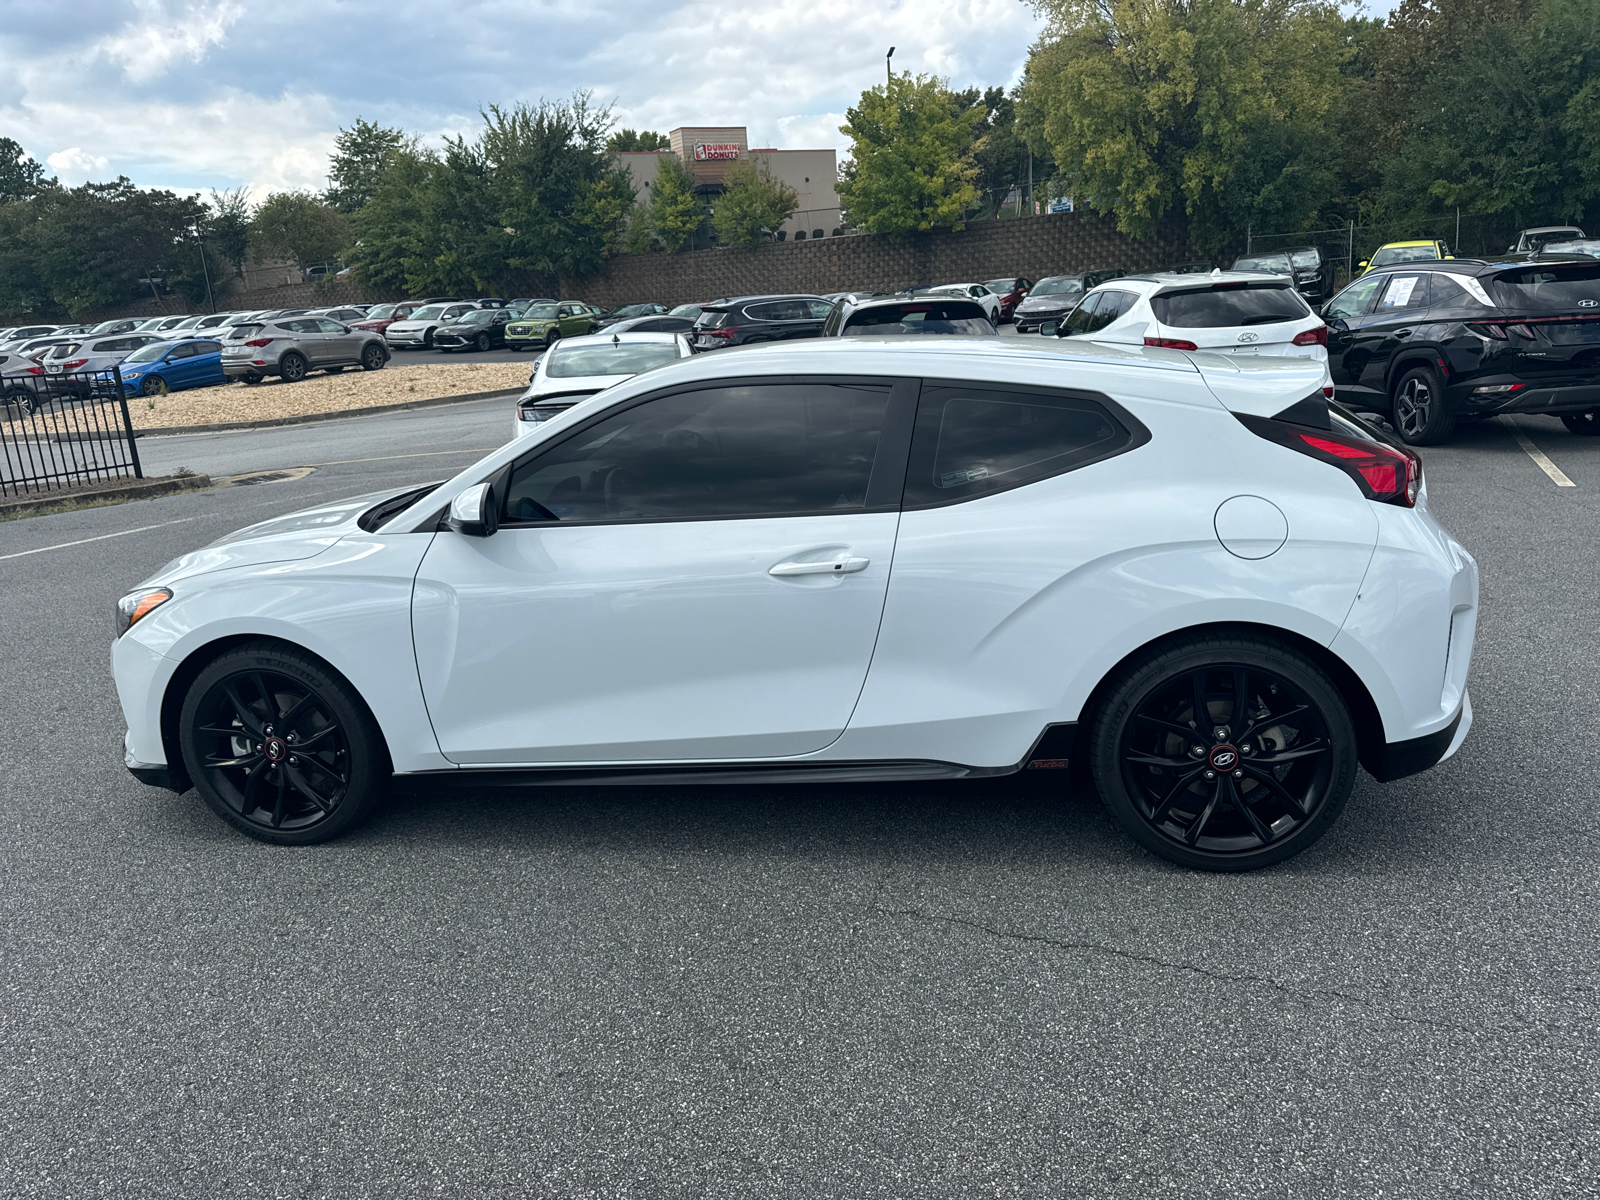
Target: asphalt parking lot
x=955 y=989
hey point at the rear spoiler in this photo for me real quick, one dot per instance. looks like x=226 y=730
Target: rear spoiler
x=571 y=397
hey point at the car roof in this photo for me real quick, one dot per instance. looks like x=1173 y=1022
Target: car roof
x=1154 y=281
x=1550 y=228
x=896 y=301
x=763 y=296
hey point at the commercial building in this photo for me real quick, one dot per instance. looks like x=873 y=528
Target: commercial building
x=706 y=151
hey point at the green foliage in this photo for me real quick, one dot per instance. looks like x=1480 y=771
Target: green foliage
x=755 y=203
x=20 y=176
x=1218 y=106
x=359 y=157
x=675 y=211
x=300 y=227
x=912 y=165
x=624 y=140
x=227 y=228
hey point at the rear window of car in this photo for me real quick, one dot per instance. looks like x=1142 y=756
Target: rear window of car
x=239 y=332
x=1216 y=307
x=712 y=318
x=919 y=317
x=571 y=362
x=1548 y=288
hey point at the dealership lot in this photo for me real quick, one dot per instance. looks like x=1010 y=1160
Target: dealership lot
x=892 y=990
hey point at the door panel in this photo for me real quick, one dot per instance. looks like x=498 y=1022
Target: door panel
x=612 y=643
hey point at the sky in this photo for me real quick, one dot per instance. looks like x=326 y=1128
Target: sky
x=199 y=94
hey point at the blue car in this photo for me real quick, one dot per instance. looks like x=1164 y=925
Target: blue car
x=189 y=362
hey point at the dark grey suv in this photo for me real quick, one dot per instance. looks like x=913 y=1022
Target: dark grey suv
x=750 y=319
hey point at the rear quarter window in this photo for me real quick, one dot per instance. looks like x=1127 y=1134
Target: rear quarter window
x=1207 y=308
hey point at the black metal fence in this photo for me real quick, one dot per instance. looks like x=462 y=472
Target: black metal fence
x=64 y=431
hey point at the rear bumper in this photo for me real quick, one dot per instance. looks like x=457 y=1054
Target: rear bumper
x=1396 y=760
x=240 y=370
x=1572 y=397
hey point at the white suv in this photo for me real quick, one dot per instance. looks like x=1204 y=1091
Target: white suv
x=1234 y=312
x=1198 y=577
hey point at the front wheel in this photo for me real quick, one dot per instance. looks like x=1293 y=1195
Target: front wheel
x=153 y=385
x=280 y=746
x=1420 y=417
x=372 y=358
x=1224 y=752
x=551 y=338
x=483 y=343
x=1585 y=424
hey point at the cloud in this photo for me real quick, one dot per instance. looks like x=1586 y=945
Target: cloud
x=225 y=93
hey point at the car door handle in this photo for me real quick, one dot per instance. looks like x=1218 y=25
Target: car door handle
x=842 y=564
x=1403 y=333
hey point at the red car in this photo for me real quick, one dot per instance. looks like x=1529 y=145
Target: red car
x=1012 y=292
x=381 y=316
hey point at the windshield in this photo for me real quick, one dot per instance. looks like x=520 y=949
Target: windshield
x=188 y=323
x=892 y=320
x=432 y=313
x=382 y=312
x=631 y=310
x=572 y=362
x=1403 y=254
x=1214 y=308
x=1059 y=285
x=1001 y=287
x=1549 y=288
x=1272 y=264
x=1306 y=258
x=686 y=310
x=540 y=312
x=478 y=316
x=148 y=353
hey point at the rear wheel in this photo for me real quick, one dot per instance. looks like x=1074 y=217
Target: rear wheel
x=292 y=368
x=1224 y=753
x=372 y=358
x=1420 y=417
x=280 y=747
x=1586 y=424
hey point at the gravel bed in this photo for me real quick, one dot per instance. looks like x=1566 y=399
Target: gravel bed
x=321 y=393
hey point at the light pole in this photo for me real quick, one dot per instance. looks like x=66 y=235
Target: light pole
x=888 y=67
x=207 y=271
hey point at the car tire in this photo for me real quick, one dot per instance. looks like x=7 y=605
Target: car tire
x=243 y=730
x=373 y=358
x=551 y=338
x=292 y=368
x=1418 y=411
x=1585 y=424
x=153 y=385
x=427 y=340
x=483 y=343
x=1281 y=766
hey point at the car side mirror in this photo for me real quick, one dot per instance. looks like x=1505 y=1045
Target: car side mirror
x=475 y=512
x=1362 y=265
x=1048 y=328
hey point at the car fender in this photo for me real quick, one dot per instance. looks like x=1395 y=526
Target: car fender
x=1426 y=354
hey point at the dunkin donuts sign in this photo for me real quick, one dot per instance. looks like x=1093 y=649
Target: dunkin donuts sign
x=709 y=151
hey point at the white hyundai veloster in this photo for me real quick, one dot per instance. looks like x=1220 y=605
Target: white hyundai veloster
x=845 y=560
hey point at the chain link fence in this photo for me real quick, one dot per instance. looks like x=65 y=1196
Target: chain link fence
x=64 y=431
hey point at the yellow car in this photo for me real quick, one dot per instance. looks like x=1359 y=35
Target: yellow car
x=1390 y=253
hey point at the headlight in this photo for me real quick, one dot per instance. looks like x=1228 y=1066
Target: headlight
x=135 y=606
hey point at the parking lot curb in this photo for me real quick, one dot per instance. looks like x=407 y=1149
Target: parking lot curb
x=309 y=418
x=39 y=504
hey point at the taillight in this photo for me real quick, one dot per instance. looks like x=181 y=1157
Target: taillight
x=259 y=342
x=34 y=370
x=1327 y=391
x=721 y=333
x=74 y=364
x=1386 y=473
x=1312 y=337
x=1521 y=331
x=1170 y=343
x=1496 y=332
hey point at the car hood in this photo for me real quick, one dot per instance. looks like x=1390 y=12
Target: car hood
x=534 y=320
x=298 y=535
x=462 y=327
x=408 y=325
x=1053 y=301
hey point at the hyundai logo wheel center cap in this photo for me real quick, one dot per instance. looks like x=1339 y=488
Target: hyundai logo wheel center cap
x=1223 y=758
x=275 y=749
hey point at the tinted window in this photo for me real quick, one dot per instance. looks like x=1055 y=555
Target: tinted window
x=764 y=450
x=1112 y=305
x=1404 y=291
x=572 y=362
x=817 y=308
x=1078 y=320
x=1355 y=299
x=1547 y=288
x=971 y=441
x=1058 y=285
x=1450 y=292
x=207 y=347
x=182 y=350
x=1215 y=307
x=918 y=317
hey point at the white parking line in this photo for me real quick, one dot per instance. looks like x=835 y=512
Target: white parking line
x=1540 y=458
x=101 y=538
x=386 y=457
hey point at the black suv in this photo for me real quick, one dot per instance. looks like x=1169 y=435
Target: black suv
x=1303 y=264
x=1429 y=343
x=751 y=319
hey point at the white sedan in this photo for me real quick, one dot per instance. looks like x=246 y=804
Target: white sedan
x=973 y=291
x=1194 y=574
x=579 y=367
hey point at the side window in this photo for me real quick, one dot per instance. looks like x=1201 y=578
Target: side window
x=1355 y=299
x=1078 y=320
x=1112 y=305
x=972 y=441
x=819 y=309
x=327 y=326
x=1405 y=291
x=830 y=326
x=748 y=451
x=764 y=312
x=207 y=347
x=564 y=311
x=182 y=350
x=1449 y=292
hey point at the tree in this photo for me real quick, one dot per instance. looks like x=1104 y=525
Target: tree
x=20 y=176
x=359 y=156
x=755 y=202
x=300 y=227
x=1221 y=107
x=624 y=140
x=911 y=164
x=227 y=227
x=675 y=211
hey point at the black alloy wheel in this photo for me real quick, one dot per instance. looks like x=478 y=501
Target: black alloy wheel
x=1420 y=416
x=483 y=343
x=292 y=368
x=281 y=747
x=372 y=358
x=551 y=338
x=153 y=385
x=1224 y=753
x=1584 y=424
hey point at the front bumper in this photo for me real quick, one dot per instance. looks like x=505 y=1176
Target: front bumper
x=1025 y=321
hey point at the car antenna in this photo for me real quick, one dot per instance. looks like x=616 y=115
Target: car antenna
x=615 y=340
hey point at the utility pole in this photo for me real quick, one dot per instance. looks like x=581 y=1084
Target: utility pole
x=207 y=271
x=888 y=70
x=1031 y=205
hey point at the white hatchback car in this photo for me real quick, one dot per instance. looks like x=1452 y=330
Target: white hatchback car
x=1231 y=312
x=576 y=368
x=854 y=559
x=416 y=331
